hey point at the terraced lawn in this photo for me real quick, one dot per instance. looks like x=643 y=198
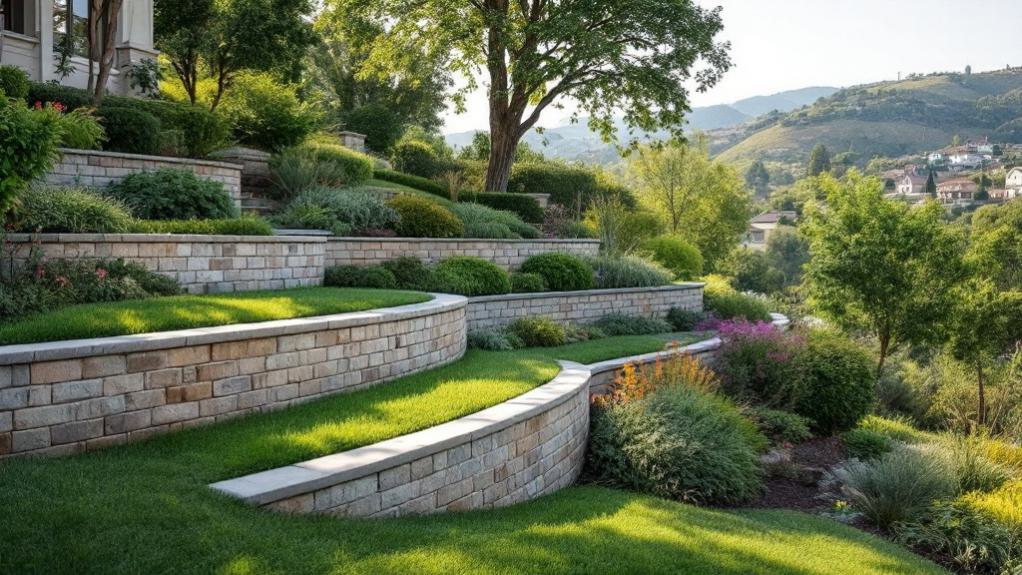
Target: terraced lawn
x=192 y=311
x=145 y=508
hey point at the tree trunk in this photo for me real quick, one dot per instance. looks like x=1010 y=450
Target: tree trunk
x=982 y=415
x=504 y=143
x=111 y=16
x=885 y=344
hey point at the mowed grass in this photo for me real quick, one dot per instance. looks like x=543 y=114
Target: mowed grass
x=192 y=311
x=146 y=508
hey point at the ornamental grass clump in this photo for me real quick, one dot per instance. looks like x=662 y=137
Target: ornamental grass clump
x=759 y=364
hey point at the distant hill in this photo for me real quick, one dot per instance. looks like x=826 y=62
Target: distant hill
x=891 y=119
x=575 y=142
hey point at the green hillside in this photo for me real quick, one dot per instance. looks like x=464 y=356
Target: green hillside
x=890 y=118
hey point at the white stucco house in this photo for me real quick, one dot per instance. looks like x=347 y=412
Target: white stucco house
x=1014 y=179
x=33 y=28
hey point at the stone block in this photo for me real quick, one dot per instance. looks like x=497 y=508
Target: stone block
x=43 y=416
x=104 y=366
x=395 y=476
x=76 y=431
x=176 y=412
x=30 y=440
x=76 y=390
x=56 y=371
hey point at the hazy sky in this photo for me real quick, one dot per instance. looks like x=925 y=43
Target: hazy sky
x=786 y=44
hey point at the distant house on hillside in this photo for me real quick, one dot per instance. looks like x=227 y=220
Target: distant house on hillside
x=1014 y=179
x=762 y=226
x=959 y=191
x=912 y=185
x=965 y=161
x=33 y=31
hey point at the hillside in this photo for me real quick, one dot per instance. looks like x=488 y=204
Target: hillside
x=575 y=142
x=887 y=119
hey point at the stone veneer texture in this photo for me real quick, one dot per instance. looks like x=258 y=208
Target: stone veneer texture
x=201 y=264
x=516 y=451
x=65 y=397
x=508 y=254
x=492 y=312
x=96 y=169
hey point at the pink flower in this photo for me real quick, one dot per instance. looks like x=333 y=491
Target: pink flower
x=101 y=274
x=59 y=107
x=38 y=105
x=62 y=281
x=40 y=272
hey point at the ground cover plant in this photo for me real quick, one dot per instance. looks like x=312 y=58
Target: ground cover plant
x=191 y=311
x=590 y=529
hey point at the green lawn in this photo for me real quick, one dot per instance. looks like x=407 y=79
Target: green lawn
x=191 y=311
x=146 y=508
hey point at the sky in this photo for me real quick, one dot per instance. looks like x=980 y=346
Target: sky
x=779 y=45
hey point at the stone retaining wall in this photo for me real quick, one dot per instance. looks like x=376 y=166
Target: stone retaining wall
x=519 y=450
x=492 y=312
x=64 y=397
x=508 y=254
x=201 y=264
x=96 y=169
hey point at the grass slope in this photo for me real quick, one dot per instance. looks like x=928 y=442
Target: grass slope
x=192 y=311
x=145 y=508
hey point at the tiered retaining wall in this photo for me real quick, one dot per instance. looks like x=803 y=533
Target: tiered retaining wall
x=201 y=264
x=519 y=450
x=63 y=397
x=99 y=169
x=509 y=254
x=492 y=312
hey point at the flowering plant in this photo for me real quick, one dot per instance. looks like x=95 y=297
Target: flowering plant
x=757 y=362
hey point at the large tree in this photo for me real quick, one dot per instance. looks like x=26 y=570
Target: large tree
x=635 y=57
x=880 y=265
x=104 y=19
x=819 y=161
x=758 y=179
x=219 y=38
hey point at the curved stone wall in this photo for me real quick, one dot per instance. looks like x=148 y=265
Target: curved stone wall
x=519 y=450
x=63 y=397
x=509 y=254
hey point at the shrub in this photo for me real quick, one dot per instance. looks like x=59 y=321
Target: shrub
x=560 y=272
x=617 y=324
x=678 y=442
x=839 y=384
x=1003 y=504
x=677 y=255
x=966 y=457
x=780 y=426
x=538 y=332
x=29 y=141
x=483 y=222
x=753 y=272
x=683 y=319
x=342 y=164
x=80 y=129
x=72 y=210
x=408 y=180
x=265 y=114
x=202 y=131
x=363 y=277
x=340 y=211
x=422 y=218
x=527 y=283
x=897 y=487
x=481 y=276
x=898 y=429
x=733 y=305
x=494 y=340
x=525 y=207
x=972 y=540
x=865 y=444
x=627 y=272
x=243 y=226
x=13 y=83
x=381 y=125
x=301 y=168
x=758 y=363
x=418 y=159
x=70 y=98
x=409 y=272
x=572 y=187
x=446 y=281
x=169 y=194
x=130 y=130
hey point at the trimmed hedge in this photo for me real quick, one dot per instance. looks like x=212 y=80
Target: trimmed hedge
x=130 y=130
x=480 y=277
x=360 y=277
x=422 y=218
x=570 y=186
x=525 y=207
x=415 y=182
x=560 y=272
x=527 y=283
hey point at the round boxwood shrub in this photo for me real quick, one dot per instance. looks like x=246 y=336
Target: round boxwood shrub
x=130 y=130
x=70 y=210
x=538 y=332
x=13 y=82
x=838 y=382
x=677 y=255
x=481 y=276
x=170 y=194
x=363 y=277
x=417 y=158
x=409 y=272
x=527 y=283
x=560 y=272
x=422 y=218
x=679 y=443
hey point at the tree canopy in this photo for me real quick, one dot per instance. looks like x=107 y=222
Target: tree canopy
x=608 y=56
x=819 y=161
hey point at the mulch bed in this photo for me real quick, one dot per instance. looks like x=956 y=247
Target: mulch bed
x=812 y=459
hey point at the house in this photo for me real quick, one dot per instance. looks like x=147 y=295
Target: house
x=912 y=185
x=959 y=191
x=1013 y=181
x=763 y=225
x=965 y=161
x=32 y=30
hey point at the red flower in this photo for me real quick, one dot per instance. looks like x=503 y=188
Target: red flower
x=101 y=274
x=38 y=105
x=62 y=281
x=59 y=107
x=40 y=272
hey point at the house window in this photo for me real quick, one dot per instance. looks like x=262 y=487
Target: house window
x=71 y=24
x=14 y=15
